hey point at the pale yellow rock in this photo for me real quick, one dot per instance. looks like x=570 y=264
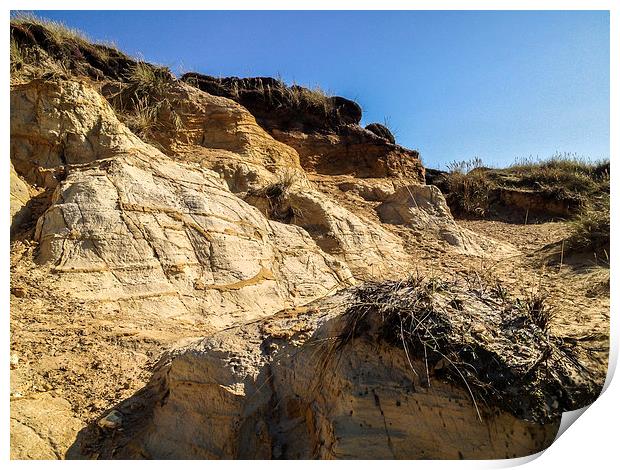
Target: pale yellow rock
x=129 y=224
x=54 y=123
x=128 y=230
x=42 y=427
x=222 y=135
x=424 y=208
x=20 y=195
x=278 y=389
x=368 y=249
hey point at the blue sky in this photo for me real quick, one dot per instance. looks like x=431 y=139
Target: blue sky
x=454 y=85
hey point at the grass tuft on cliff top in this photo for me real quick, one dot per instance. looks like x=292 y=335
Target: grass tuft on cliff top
x=57 y=29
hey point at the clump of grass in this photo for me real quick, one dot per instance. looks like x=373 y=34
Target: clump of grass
x=145 y=79
x=17 y=56
x=275 y=195
x=468 y=187
x=536 y=309
x=57 y=29
x=500 y=349
x=142 y=103
x=591 y=230
x=315 y=98
x=142 y=119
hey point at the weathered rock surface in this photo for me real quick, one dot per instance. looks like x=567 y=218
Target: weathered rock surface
x=353 y=151
x=58 y=123
x=534 y=202
x=282 y=388
x=369 y=250
x=20 y=195
x=424 y=208
x=127 y=229
x=215 y=124
x=323 y=130
x=42 y=427
x=133 y=224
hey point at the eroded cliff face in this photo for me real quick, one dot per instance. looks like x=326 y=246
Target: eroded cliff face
x=324 y=130
x=299 y=385
x=226 y=221
x=127 y=223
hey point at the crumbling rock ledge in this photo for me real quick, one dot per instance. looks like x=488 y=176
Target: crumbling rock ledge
x=324 y=130
x=333 y=380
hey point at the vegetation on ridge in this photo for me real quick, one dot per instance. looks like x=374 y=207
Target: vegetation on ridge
x=578 y=189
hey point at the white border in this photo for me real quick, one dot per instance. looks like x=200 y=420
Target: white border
x=592 y=443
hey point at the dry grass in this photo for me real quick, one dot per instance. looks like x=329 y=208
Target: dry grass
x=563 y=177
x=63 y=48
x=591 y=229
x=142 y=103
x=142 y=119
x=281 y=95
x=469 y=332
x=310 y=98
x=278 y=207
x=59 y=31
x=17 y=56
x=468 y=187
x=146 y=79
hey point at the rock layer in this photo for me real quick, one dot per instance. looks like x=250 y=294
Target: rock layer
x=127 y=223
x=323 y=130
x=281 y=389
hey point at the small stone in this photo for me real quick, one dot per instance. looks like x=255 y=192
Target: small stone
x=16 y=395
x=18 y=292
x=112 y=420
x=14 y=360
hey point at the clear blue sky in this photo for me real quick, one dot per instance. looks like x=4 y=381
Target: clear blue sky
x=454 y=85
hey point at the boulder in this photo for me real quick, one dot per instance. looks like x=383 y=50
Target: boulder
x=381 y=131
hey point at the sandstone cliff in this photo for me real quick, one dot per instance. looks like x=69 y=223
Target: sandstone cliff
x=228 y=226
